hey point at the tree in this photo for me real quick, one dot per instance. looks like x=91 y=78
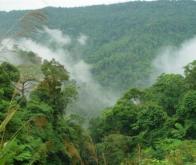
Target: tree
x=190 y=73
x=114 y=149
x=151 y=116
x=187 y=113
x=9 y=75
x=50 y=89
x=38 y=132
x=167 y=93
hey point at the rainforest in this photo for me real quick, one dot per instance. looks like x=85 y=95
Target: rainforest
x=99 y=85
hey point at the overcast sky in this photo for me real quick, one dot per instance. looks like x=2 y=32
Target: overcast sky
x=34 y=4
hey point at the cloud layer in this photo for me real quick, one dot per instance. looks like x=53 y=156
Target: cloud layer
x=173 y=60
x=92 y=97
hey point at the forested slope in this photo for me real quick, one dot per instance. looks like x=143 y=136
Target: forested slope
x=152 y=126
x=155 y=125
x=122 y=38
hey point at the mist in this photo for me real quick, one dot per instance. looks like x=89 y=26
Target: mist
x=174 y=59
x=92 y=97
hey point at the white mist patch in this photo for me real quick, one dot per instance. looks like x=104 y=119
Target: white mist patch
x=82 y=39
x=58 y=36
x=6 y=52
x=83 y=69
x=92 y=97
x=173 y=60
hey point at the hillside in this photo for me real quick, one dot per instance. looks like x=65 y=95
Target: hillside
x=123 y=39
x=63 y=77
x=152 y=126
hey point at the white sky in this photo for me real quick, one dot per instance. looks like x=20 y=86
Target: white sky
x=8 y=5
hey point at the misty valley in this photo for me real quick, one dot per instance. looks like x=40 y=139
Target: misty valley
x=99 y=85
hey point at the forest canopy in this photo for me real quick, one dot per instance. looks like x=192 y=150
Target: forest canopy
x=123 y=39
x=49 y=114
x=155 y=125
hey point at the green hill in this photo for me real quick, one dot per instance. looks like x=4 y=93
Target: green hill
x=123 y=38
x=46 y=118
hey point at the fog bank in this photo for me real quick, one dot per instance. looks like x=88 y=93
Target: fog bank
x=174 y=59
x=92 y=97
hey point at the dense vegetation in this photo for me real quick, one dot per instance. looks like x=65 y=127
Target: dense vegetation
x=34 y=129
x=123 y=39
x=155 y=125
x=150 y=126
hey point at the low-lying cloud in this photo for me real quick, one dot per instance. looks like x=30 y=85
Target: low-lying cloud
x=92 y=97
x=82 y=39
x=173 y=60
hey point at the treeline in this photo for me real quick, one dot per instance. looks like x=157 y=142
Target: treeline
x=156 y=125
x=151 y=126
x=34 y=128
x=123 y=39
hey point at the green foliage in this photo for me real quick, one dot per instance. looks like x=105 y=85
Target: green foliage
x=113 y=149
x=158 y=122
x=39 y=132
x=138 y=129
x=173 y=151
x=188 y=105
x=190 y=73
x=134 y=33
x=9 y=74
x=167 y=93
x=54 y=70
x=50 y=89
x=146 y=126
x=28 y=58
x=187 y=112
x=151 y=116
